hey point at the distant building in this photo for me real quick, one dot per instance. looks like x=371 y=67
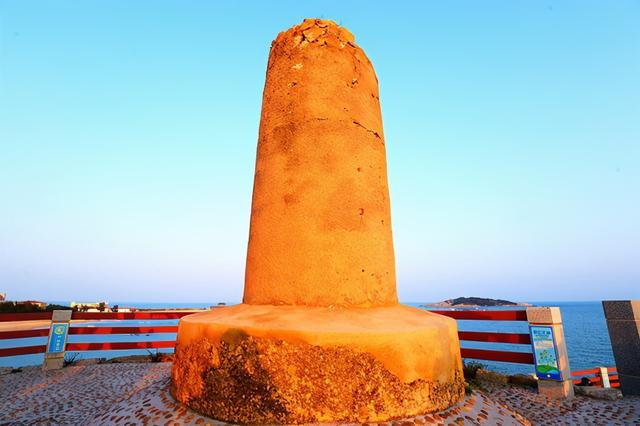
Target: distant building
x=3 y=297
x=90 y=306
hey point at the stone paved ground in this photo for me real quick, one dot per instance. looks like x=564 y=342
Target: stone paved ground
x=104 y=394
x=579 y=410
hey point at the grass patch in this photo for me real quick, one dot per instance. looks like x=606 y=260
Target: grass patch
x=470 y=369
x=71 y=358
x=155 y=356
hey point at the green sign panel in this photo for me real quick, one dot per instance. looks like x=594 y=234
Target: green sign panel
x=545 y=352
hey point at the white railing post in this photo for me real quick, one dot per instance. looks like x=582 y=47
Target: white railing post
x=604 y=376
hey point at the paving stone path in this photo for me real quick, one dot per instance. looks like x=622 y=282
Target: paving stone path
x=138 y=394
x=579 y=410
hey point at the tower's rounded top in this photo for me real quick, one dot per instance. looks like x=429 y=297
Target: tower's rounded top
x=321 y=31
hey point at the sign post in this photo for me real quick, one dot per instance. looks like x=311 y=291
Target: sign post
x=550 y=352
x=54 y=357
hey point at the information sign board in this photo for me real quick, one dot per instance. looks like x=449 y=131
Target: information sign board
x=545 y=353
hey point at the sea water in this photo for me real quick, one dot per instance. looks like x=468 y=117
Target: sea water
x=584 y=327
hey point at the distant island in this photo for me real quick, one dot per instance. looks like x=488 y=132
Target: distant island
x=474 y=301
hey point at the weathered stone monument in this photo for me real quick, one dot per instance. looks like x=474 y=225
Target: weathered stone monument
x=320 y=336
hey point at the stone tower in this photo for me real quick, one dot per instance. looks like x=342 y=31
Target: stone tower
x=320 y=336
x=320 y=221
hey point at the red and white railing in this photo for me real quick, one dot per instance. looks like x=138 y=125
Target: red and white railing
x=595 y=376
x=493 y=337
x=79 y=329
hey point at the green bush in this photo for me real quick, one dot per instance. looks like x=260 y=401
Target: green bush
x=467 y=389
x=155 y=356
x=70 y=358
x=470 y=369
x=50 y=308
x=18 y=308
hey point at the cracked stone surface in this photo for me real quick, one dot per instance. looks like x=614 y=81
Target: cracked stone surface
x=265 y=381
x=314 y=364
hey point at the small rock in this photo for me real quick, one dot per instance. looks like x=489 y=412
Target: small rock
x=609 y=394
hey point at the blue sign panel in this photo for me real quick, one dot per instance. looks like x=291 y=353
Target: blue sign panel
x=545 y=352
x=58 y=337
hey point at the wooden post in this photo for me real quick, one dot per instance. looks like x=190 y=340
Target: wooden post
x=550 y=352
x=54 y=356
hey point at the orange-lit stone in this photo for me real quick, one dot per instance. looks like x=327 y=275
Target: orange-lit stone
x=320 y=221
x=320 y=336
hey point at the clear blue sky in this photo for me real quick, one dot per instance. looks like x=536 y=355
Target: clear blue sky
x=128 y=133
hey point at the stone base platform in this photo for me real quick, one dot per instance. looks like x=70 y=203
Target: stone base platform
x=264 y=364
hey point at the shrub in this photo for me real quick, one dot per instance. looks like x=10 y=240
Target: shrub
x=54 y=307
x=491 y=377
x=155 y=356
x=523 y=380
x=17 y=308
x=70 y=358
x=22 y=307
x=467 y=389
x=470 y=369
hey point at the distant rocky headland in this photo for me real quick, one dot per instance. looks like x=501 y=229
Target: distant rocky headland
x=474 y=301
